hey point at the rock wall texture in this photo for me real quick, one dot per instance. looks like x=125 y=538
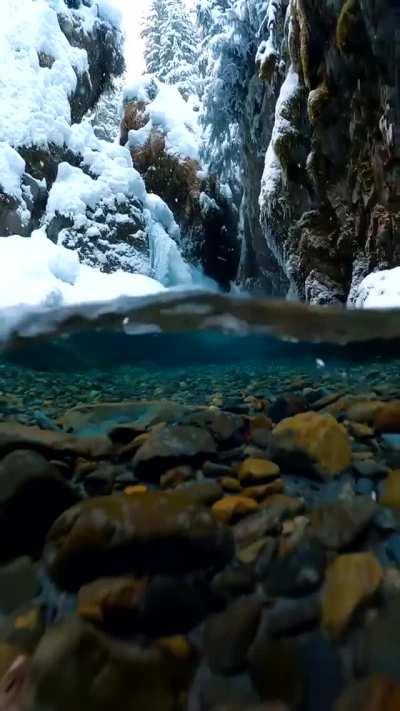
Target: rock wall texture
x=330 y=191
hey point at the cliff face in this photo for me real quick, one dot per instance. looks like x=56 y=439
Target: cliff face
x=330 y=191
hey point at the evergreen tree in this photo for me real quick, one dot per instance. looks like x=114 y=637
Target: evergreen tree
x=171 y=45
x=153 y=34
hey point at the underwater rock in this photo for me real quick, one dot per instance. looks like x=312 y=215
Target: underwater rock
x=228 y=635
x=298 y=572
x=390 y=493
x=254 y=470
x=339 y=524
x=74 y=663
x=314 y=444
x=111 y=599
x=153 y=532
x=170 y=446
x=351 y=580
x=19 y=584
x=231 y=508
x=32 y=495
x=14 y=436
x=387 y=417
x=376 y=693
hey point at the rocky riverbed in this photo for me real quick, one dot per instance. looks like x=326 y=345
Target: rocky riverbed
x=224 y=542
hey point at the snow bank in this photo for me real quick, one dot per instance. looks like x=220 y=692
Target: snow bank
x=12 y=167
x=169 y=112
x=379 y=290
x=36 y=272
x=39 y=68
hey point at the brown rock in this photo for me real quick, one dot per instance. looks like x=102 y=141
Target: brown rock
x=351 y=580
x=175 y=476
x=377 y=693
x=387 y=417
x=313 y=443
x=359 y=430
x=363 y=410
x=274 y=509
x=257 y=470
x=230 y=484
x=76 y=667
x=109 y=598
x=136 y=489
x=337 y=525
x=15 y=436
x=249 y=554
x=262 y=491
x=172 y=446
x=228 y=635
x=390 y=495
x=153 y=532
x=233 y=507
x=223 y=425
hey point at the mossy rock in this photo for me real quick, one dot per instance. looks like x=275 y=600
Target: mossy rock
x=347 y=26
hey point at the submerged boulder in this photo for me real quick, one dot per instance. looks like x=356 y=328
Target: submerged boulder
x=153 y=532
x=313 y=443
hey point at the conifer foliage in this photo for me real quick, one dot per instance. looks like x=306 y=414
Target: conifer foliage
x=171 y=45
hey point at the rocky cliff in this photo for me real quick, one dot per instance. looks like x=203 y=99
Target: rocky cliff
x=330 y=196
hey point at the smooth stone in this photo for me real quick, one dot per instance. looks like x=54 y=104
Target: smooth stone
x=390 y=492
x=32 y=495
x=233 y=507
x=314 y=444
x=257 y=470
x=74 y=663
x=370 y=468
x=338 y=525
x=228 y=635
x=171 y=446
x=351 y=580
x=376 y=693
x=299 y=572
x=19 y=584
x=156 y=532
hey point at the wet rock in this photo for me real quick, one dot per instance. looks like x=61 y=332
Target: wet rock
x=377 y=693
x=103 y=417
x=259 y=524
x=313 y=443
x=262 y=491
x=231 y=508
x=231 y=485
x=214 y=691
x=174 y=605
x=351 y=580
x=249 y=554
x=287 y=406
x=387 y=417
x=297 y=573
x=376 y=652
x=32 y=496
x=360 y=430
x=254 y=470
x=17 y=436
x=233 y=581
x=75 y=663
x=19 y=583
x=171 y=446
x=175 y=476
x=100 y=481
x=276 y=670
x=290 y=615
x=370 y=468
x=338 y=525
x=202 y=493
x=228 y=635
x=390 y=493
x=8 y=654
x=153 y=532
x=224 y=426
x=111 y=601
x=265 y=557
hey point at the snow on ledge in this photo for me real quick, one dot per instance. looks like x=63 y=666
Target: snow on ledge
x=379 y=290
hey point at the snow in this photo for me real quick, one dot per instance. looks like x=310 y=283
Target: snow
x=34 y=106
x=169 y=112
x=379 y=290
x=12 y=167
x=273 y=175
x=36 y=272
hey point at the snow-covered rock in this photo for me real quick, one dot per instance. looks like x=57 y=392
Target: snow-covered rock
x=379 y=290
